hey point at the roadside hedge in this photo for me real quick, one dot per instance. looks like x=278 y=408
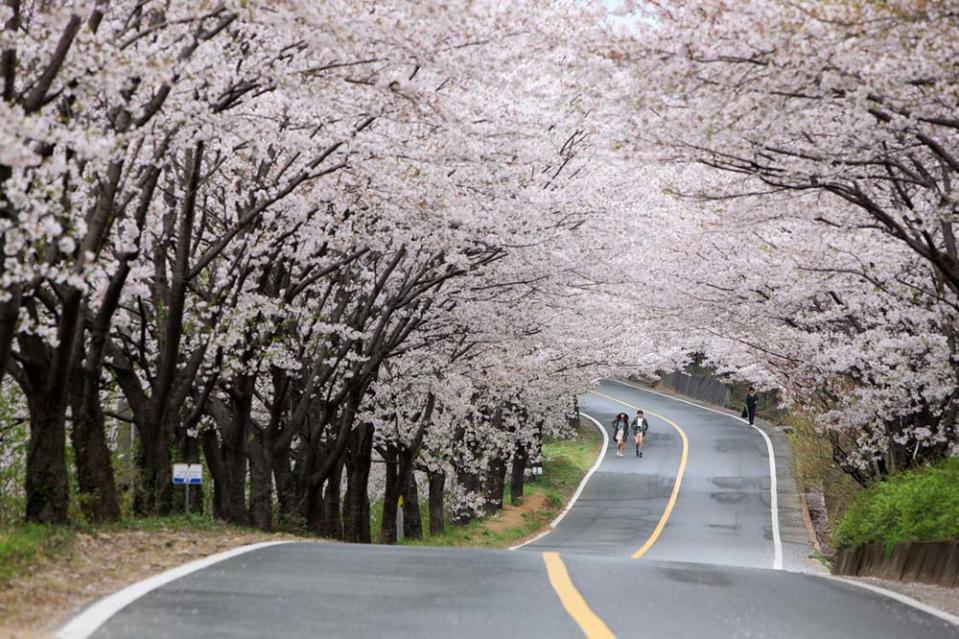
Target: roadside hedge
x=918 y=505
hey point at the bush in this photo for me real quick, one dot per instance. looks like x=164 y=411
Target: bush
x=919 y=505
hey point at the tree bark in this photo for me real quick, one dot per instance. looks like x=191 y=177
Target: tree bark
x=518 y=476
x=154 y=490
x=96 y=485
x=412 y=518
x=357 y=527
x=46 y=481
x=261 y=484
x=316 y=510
x=495 y=486
x=391 y=496
x=331 y=505
x=437 y=497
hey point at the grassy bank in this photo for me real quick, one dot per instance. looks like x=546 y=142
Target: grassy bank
x=565 y=464
x=918 y=505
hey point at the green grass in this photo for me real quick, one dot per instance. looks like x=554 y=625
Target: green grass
x=172 y=522
x=565 y=464
x=24 y=544
x=918 y=505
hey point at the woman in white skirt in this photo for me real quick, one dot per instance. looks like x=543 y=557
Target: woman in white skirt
x=620 y=427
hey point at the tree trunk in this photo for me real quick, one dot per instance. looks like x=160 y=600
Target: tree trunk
x=471 y=483
x=495 y=486
x=211 y=451
x=391 y=496
x=285 y=488
x=261 y=485
x=437 y=497
x=95 y=480
x=518 y=475
x=331 y=505
x=46 y=480
x=357 y=527
x=234 y=492
x=154 y=490
x=412 y=518
x=316 y=510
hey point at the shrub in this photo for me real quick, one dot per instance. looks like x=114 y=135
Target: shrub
x=919 y=505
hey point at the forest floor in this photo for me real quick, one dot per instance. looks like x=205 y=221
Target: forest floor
x=565 y=463
x=47 y=576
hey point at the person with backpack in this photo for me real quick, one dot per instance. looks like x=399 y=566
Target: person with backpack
x=620 y=429
x=640 y=426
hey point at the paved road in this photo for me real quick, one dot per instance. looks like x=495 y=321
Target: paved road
x=722 y=513
x=707 y=574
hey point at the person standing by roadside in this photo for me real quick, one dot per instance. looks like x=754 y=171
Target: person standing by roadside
x=751 y=405
x=640 y=426
x=620 y=428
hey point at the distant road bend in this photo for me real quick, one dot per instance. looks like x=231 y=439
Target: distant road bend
x=681 y=543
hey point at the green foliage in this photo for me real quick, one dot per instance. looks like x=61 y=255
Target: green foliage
x=26 y=543
x=919 y=505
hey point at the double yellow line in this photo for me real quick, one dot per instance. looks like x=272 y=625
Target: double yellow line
x=574 y=603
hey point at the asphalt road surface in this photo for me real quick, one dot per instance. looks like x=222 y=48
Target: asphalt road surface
x=695 y=511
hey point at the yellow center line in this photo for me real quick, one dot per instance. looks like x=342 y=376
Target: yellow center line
x=591 y=625
x=676 y=484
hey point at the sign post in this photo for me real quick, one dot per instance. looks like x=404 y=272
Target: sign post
x=187 y=475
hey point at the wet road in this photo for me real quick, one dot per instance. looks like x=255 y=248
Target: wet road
x=705 y=537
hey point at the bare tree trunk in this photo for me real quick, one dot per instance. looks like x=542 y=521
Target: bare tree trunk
x=412 y=518
x=261 y=484
x=495 y=486
x=331 y=504
x=518 y=476
x=316 y=510
x=46 y=482
x=357 y=527
x=437 y=497
x=154 y=489
x=95 y=480
x=391 y=496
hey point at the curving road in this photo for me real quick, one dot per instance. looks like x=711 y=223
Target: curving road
x=696 y=511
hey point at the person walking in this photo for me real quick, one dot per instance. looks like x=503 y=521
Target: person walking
x=751 y=405
x=620 y=428
x=640 y=426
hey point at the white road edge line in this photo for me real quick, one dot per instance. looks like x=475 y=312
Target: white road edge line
x=90 y=620
x=579 y=489
x=773 y=481
x=901 y=598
